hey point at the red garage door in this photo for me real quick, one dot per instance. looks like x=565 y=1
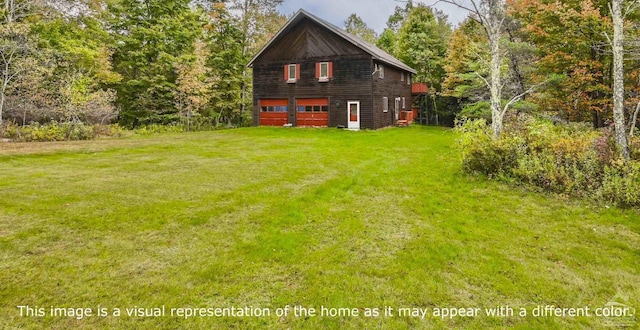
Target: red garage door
x=312 y=112
x=274 y=112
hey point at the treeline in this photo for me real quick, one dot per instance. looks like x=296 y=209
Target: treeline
x=555 y=57
x=132 y=62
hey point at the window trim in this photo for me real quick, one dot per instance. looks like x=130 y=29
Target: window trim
x=404 y=103
x=322 y=78
x=381 y=71
x=385 y=104
x=295 y=73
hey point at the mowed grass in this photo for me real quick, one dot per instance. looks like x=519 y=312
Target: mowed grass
x=269 y=217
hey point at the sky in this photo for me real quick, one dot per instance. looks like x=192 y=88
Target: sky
x=373 y=12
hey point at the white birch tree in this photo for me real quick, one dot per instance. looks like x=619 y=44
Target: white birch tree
x=618 y=76
x=618 y=14
x=491 y=15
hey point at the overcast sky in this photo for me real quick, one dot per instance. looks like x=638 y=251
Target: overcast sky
x=374 y=12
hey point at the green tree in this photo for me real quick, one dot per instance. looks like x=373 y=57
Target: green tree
x=150 y=38
x=388 y=39
x=466 y=63
x=228 y=66
x=356 y=26
x=259 y=20
x=81 y=70
x=422 y=44
x=193 y=83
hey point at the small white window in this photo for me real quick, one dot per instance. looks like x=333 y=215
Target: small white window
x=324 y=71
x=401 y=76
x=408 y=79
x=404 y=103
x=381 y=71
x=385 y=104
x=292 y=73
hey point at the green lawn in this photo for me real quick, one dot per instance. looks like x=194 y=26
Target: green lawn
x=269 y=217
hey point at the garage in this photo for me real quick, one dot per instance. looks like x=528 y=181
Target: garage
x=312 y=112
x=274 y=112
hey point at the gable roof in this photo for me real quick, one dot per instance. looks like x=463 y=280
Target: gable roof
x=375 y=52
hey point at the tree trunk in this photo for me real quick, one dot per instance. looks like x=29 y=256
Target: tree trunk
x=515 y=66
x=634 y=120
x=1 y=105
x=618 y=77
x=495 y=87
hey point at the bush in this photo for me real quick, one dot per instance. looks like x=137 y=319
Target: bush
x=621 y=184
x=570 y=159
x=55 y=131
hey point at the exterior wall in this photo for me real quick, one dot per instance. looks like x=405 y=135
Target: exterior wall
x=351 y=82
x=308 y=43
x=391 y=86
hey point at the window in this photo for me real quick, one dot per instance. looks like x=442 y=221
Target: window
x=408 y=79
x=291 y=73
x=313 y=108
x=385 y=104
x=404 y=103
x=401 y=76
x=324 y=71
x=381 y=71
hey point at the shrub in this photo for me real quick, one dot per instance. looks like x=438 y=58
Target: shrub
x=157 y=128
x=55 y=131
x=569 y=159
x=621 y=183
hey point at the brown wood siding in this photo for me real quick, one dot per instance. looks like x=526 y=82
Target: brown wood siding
x=309 y=43
x=351 y=82
x=391 y=87
x=308 y=40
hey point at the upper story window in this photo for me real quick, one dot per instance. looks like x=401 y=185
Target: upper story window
x=381 y=71
x=408 y=79
x=292 y=73
x=401 y=76
x=324 y=71
x=385 y=104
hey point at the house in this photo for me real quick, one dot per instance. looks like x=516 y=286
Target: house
x=312 y=73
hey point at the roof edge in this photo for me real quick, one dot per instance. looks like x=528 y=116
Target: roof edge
x=354 y=40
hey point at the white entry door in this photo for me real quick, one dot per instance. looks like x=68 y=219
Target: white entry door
x=353 y=113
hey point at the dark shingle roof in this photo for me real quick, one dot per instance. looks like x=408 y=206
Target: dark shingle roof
x=372 y=50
